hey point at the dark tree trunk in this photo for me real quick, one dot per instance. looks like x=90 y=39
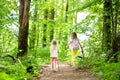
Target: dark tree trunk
x=66 y=16
x=24 y=25
x=45 y=27
x=109 y=33
x=115 y=40
x=52 y=27
x=107 y=25
x=115 y=47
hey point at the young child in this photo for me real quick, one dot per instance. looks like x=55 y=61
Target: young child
x=74 y=45
x=54 y=49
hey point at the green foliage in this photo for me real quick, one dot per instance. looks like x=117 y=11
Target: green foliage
x=87 y=4
x=96 y=62
x=4 y=76
x=109 y=71
x=11 y=70
x=95 y=59
x=38 y=56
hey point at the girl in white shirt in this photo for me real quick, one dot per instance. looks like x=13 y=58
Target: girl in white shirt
x=54 y=54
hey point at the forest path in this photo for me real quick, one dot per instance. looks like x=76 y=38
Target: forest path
x=66 y=72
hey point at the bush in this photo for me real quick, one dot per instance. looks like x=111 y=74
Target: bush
x=108 y=71
x=10 y=70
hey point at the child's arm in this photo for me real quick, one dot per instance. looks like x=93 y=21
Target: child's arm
x=81 y=47
x=50 y=49
x=69 y=44
x=58 y=49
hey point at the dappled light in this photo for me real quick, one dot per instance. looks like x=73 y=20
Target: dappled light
x=59 y=40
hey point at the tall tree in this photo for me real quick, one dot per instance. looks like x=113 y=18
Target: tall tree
x=110 y=27
x=75 y=3
x=66 y=11
x=107 y=24
x=45 y=27
x=52 y=27
x=33 y=29
x=24 y=25
x=115 y=37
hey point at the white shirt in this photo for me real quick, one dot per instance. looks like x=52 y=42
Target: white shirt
x=53 y=51
x=73 y=43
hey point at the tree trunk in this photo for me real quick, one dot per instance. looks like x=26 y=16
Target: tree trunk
x=115 y=39
x=66 y=16
x=52 y=27
x=24 y=25
x=33 y=30
x=74 y=14
x=107 y=25
x=107 y=28
x=45 y=27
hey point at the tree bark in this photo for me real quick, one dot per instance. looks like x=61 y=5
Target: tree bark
x=107 y=25
x=107 y=28
x=66 y=16
x=115 y=40
x=52 y=27
x=109 y=33
x=45 y=27
x=24 y=25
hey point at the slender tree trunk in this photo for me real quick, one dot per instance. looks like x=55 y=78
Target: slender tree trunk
x=115 y=39
x=24 y=25
x=66 y=15
x=1 y=43
x=45 y=27
x=114 y=17
x=74 y=14
x=33 y=30
x=52 y=27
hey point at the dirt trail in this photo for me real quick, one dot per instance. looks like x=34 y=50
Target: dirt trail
x=66 y=72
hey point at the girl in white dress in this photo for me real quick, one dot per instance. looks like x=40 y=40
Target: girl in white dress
x=54 y=54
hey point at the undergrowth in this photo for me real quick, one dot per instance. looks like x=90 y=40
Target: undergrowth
x=10 y=70
x=103 y=70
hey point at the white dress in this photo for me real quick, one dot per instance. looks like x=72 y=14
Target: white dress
x=54 y=53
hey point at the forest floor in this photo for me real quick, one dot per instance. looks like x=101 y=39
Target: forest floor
x=66 y=72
